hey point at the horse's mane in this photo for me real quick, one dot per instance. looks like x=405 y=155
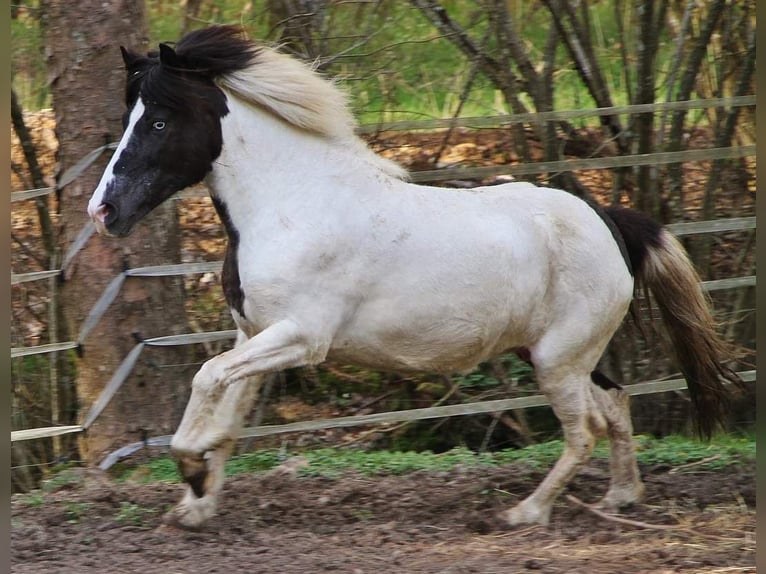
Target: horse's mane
x=260 y=75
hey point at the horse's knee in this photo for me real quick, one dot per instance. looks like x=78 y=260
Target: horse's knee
x=210 y=380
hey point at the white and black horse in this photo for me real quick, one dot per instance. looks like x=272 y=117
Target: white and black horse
x=334 y=254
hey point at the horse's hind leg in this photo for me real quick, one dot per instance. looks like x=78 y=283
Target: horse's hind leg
x=567 y=389
x=625 y=486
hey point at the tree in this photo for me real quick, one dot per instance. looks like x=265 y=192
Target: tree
x=87 y=84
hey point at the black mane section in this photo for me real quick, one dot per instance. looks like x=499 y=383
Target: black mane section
x=184 y=77
x=214 y=51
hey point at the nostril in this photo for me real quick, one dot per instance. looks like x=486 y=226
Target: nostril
x=100 y=213
x=104 y=213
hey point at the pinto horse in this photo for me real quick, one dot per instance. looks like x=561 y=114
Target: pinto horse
x=333 y=254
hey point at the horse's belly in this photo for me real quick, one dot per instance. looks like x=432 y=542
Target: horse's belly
x=445 y=345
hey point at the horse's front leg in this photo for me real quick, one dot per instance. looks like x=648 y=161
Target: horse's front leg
x=223 y=392
x=204 y=473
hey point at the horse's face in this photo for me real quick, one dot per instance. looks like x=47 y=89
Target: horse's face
x=172 y=136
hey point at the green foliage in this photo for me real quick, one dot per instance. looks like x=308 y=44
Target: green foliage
x=510 y=366
x=62 y=476
x=75 y=511
x=391 y=58
x=674 y=451
x=158 y=470
x=34 y=498
x=28 y=68
x=133 y=514
x=257 y=461
x=724 y=450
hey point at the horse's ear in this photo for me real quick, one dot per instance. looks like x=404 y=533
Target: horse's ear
x=130 y=58
x=168 y=56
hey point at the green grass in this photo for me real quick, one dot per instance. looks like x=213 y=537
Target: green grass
x=674 y=451
x=133 y=514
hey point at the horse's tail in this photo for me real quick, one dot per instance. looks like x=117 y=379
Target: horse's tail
x=661 y=264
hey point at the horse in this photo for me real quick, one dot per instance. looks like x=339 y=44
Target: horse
x=334 y=254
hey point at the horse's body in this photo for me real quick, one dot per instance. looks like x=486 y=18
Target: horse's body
x=333 y=254
x=406 y=277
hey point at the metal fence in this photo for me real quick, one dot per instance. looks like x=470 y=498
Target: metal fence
x=113 y=289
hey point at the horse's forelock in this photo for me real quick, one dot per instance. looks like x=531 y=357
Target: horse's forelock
x=215 y=51
x=189 y=68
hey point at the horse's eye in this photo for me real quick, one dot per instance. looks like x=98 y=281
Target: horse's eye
x=158 y=125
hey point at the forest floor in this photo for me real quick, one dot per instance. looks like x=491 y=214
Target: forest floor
x=691 y=520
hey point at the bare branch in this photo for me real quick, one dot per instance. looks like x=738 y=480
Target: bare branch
x=30 y=155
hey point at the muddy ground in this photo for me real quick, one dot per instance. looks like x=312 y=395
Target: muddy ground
x=423 y=522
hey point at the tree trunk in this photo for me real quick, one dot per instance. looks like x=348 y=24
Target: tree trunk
x=87 y=79
x=675 y=138
x=651 y=19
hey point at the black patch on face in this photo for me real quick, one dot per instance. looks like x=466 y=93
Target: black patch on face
x=169 y=150
x=232 y=287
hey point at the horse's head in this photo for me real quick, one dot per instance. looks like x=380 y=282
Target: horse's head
x=172 y=126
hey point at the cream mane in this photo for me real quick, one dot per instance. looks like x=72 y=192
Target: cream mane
x=299 y=95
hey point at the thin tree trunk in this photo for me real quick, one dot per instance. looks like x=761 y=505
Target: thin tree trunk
x=647 y=198
x=56 y=362
x=191 y=14
x=675 y=138
x=723 y=139
x=38 y=181
x=498 y=72
x=576 y=38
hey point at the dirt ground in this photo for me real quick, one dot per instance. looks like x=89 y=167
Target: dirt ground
x=423 y=522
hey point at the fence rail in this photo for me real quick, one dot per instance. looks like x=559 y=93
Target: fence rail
x=563 y=115
x=112 y=290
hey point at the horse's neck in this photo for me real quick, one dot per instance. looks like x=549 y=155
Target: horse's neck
x=268 y=160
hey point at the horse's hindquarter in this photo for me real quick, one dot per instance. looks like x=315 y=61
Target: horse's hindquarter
x=471 y=274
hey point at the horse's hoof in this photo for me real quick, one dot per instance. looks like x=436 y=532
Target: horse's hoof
x=617 y=498
x=524 y=514
x=177 y=519
x=191 y=517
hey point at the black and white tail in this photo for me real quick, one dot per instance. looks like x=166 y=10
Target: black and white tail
x=661 y=265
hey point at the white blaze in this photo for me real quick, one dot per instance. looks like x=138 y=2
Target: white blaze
x=98 y=196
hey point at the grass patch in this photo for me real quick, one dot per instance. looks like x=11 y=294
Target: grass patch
x=133 y=514
x=722 y=451
x=673 y=451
